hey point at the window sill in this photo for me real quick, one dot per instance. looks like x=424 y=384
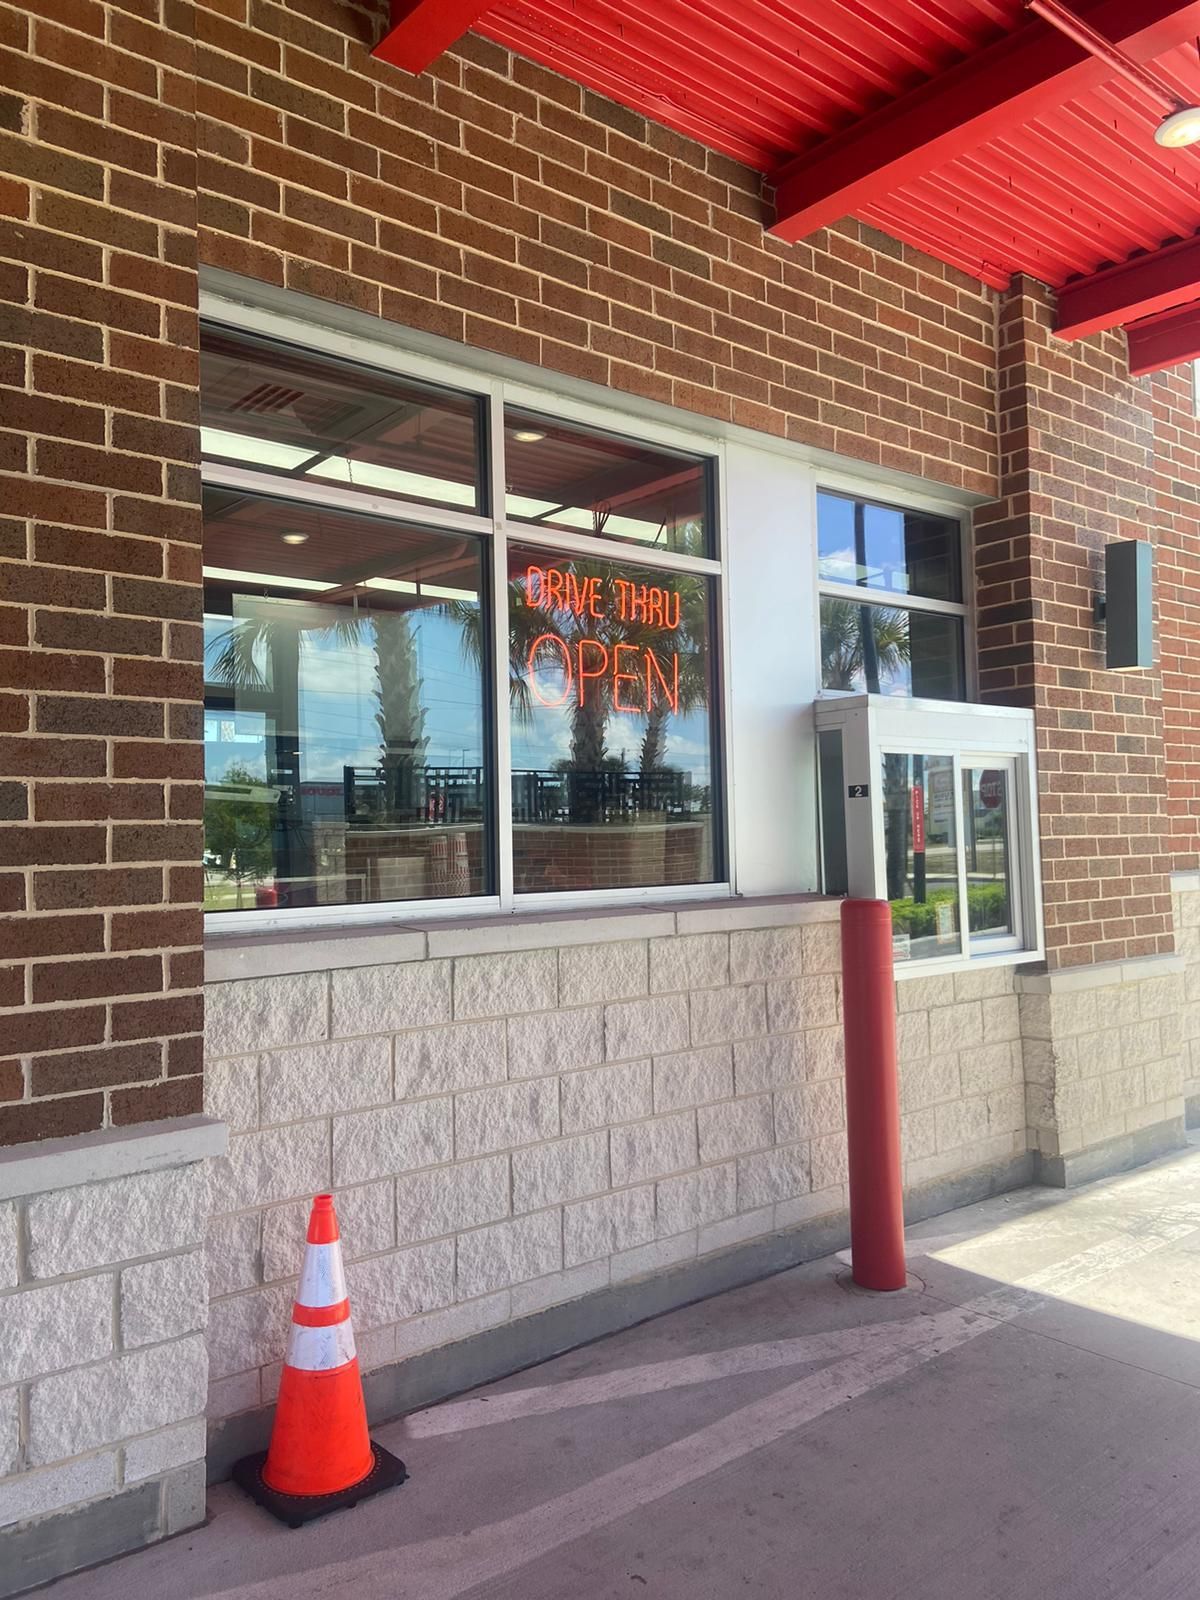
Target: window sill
x=274 y=952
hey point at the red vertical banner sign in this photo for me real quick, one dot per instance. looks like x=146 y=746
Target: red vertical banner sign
x=918 y=819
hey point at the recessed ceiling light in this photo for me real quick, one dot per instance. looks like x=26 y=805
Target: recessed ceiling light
x=294 y=538
x=1181 y=128
x=528 y=435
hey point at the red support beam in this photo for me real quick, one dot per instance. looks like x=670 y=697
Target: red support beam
x=422 y=30
x=1165 y=340
x=1127 y=293
x=990 y=93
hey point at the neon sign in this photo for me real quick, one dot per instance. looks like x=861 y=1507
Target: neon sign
x=635 y=674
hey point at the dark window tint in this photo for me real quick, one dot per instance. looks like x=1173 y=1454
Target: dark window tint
x=283 y=410
x=588 y=482
x=876 y=649
x=883 y=547
x=610 y=681
x=344 y=708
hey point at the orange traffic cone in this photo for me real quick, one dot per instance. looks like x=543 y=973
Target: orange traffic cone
x=321 y=1456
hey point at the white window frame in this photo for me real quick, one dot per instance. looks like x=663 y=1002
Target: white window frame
x=850 y=487
x=873 y=726
x=496 y=530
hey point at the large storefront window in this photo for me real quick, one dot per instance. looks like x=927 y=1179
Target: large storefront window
x=892 y=610
x=369 y=628
x=611 y=724
x=344 y=708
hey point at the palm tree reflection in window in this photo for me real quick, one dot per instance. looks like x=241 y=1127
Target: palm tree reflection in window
x=863 y=647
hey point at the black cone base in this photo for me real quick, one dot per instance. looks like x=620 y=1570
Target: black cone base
x=297 y=1509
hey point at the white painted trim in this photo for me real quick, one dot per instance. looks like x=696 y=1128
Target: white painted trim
x=53 y=1164
x=356 y=502
x=618 y=551
x=861 y=595
x=1185 y=882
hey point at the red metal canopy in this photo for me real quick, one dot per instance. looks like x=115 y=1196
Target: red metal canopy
x=966 y=128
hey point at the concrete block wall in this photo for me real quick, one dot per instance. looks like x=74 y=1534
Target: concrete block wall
x=510 y=1130
x=1185 y=895
x=103 y=1367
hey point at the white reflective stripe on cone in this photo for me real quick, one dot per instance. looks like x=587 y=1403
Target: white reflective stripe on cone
x=322 y=1277
x=320 y=1349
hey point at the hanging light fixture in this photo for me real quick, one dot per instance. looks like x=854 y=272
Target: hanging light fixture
x=1179 y=129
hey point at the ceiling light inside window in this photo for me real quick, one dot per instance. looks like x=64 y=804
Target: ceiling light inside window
x=294 y=538
x=1180 y=129
x=528 y=435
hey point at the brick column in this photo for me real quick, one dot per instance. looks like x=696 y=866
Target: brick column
x=100 y=640
x=1102 y=1053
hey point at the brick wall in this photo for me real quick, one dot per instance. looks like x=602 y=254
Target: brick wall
x=1077 y=469
x=100 y=793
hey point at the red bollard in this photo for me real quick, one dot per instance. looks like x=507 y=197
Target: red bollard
x=872 y=1096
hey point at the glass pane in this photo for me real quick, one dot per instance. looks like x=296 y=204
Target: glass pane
x=285 y=411
x=598 y=483
x=885 y=547
x=989 y=883
x=872 y=649
x=921 y=855
x=832 y=778
x=344 y=708
x=610 y=687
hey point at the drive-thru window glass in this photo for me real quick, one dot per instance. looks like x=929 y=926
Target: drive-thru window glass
x=362 y=603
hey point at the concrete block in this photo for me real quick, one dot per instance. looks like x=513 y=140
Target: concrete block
x=735 y=1128
x=71 y=1412
x=445 y=1200
x=829 y=1165
x=9 y=1272
x=403 y=994
x=319 y=1079
x=558 y=1287
x=262 y=1013
x=761 y=1065
x=824 y=1053
x=10 y=1429
x=734 y=1230
x=986 y=983
x=276 y=1164
x=34 y=1494
x=812 y=1109
x=689 y=961
x=772 y=1175
x=1006 y=1110
x=597 y=972
x=821 y=944
x=438 y=1328
x=61 y=1325
x=696 y=1198
x=232 y=1252
x=231 y=1091
x=1001 y=1018
x=392 y=1139
x=912 y=1037
x=697 y=1077
x=645 y=1027
x=643 y=1150
x=555 y=1041
x=765 y=953
x=390 y=1288
x=183 y=1498
x=722 y=1015
x=961 y=1122
x=797 y=1003
x=248 y=1330
x=613 y=1222
x=604 y=1095
x=806 y=1207
x=159 y=1452
x=1164 y=1079
x=956 y=1027
x=989 y=1067
x=228 y=1396
x=652 y=1258
x=509 y=1114
x=507 y=984
x=366 y=1218
x=507 y=1253
x=1141 y=1041
x=918 y=1134
x=74 y=1230
x=1159 y=997
x=1123 y=1091
x=164 y=1298
x=564 y=1169
x=926 y=1082
x=440 y=1060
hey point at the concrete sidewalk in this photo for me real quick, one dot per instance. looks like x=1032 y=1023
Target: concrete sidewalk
x=1024 y=1420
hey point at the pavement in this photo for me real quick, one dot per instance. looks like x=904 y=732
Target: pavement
x=1023 y=1420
